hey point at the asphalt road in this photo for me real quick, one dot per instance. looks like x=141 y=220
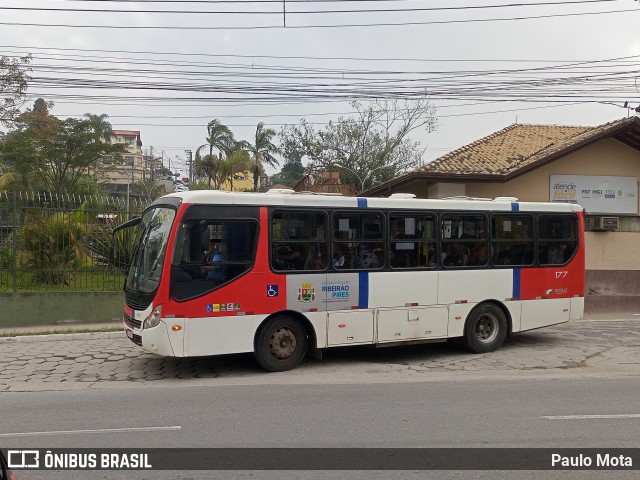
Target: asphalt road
x=479 y=413
x=574 y=385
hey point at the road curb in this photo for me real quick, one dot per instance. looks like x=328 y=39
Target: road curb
x=58 y=337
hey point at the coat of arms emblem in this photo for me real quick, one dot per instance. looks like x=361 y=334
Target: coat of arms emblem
x=306 y=293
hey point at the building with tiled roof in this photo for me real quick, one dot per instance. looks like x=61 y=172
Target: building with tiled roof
x=530 y=162
x=509 y=153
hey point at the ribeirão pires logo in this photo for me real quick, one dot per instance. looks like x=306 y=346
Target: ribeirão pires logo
x=306 y=293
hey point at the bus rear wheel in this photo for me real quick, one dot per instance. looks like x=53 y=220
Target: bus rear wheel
x=485 y=329
x=281 y=344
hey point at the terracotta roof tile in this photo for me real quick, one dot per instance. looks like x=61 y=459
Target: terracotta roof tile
x=515 y=149
x=507 y=150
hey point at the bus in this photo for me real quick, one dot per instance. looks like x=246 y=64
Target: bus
x=282 y=274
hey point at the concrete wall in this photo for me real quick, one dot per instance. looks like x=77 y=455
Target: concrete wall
x=612 y=250
x=605 y=157
x=49 y=308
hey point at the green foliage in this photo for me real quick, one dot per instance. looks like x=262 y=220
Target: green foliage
x=239 y=161
x=371 y=146
x=211 y=167
x=149 y=189
x=83 y=280
x=199 y=186
x=13 y=86
x=55 y=243
x=9 y=181
x=220 y=138
x=56 y=153
x=261 y=150
x=291 y=173
x=114 y=250
x=87 y=185
x=7 y=257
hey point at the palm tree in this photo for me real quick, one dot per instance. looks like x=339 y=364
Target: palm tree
x=220 y=137
x=238 y=161
x=211 y=167
x=261 y=151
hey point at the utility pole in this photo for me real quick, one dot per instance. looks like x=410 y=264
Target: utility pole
x=152 y=166
x=190 y=162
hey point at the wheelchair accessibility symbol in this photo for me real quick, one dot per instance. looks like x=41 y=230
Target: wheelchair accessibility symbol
x=272 y=290
x=209 y=307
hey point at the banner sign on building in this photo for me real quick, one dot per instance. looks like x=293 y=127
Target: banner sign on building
x=601 y=194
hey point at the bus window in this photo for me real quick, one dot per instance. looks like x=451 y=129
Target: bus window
x=463 y=240
x=412 y=241
x=557 y=238
x=298 y=240
x=512 y=240
x=210 y=253
x=358 y=238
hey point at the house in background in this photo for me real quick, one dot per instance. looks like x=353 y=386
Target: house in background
x=329 y=183
x=596 y=167
x=129 y=169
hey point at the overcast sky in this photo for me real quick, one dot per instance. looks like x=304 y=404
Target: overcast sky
x=168 y=74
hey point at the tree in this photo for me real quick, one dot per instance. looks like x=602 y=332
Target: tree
x=101 y=125
x=9 y=181
x=371 y=146
x=210 y=166
x=239 y=161
x=150 y=189
x=18 y=150
x=291 y=173
x=261 y=150
x=56 y=153
x=219 y=137
x=13 y=86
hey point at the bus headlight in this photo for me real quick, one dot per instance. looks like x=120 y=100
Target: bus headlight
x=154 y=317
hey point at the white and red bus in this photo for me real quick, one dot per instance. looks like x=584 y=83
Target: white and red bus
x=295 y=272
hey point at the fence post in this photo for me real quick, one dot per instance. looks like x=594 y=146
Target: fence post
x=14 y=242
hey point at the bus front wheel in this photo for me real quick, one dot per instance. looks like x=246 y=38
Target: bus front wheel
x=485 y=329
x=281 y=344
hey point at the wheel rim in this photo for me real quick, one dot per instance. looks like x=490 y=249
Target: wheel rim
x=282 y=343
x=487 y=328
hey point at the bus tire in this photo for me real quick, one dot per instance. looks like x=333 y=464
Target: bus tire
x=281 y=344
x=485 y=329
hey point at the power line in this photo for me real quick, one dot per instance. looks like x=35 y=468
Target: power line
x=290 y=27
x=305 y=12
x=302 y=115
x=293 y=57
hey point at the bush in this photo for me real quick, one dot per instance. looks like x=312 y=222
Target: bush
x=55 y=243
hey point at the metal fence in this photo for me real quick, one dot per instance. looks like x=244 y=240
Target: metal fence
x=51 y=242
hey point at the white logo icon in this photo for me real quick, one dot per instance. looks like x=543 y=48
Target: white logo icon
x=23 y=458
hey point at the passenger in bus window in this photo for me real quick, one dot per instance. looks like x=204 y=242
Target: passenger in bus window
x=456 y=256
x=293 y=255
x=216 y=270
x=368 y=255
x=339 y=256
x=478 y=251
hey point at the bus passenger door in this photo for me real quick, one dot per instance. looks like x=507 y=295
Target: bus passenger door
x=396 y=324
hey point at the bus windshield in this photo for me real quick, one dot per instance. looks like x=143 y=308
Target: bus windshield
x=146 y=267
